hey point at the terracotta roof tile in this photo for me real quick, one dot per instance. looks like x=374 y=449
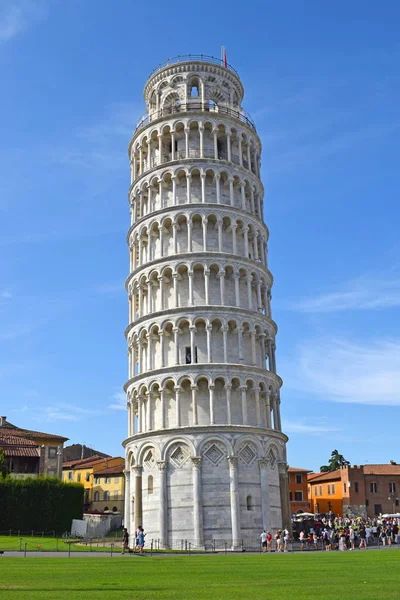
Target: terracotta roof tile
x=293 y=470
x=111 y=470
x=82 y=463
x=381 y=469
x=333 y=475
x=30 y=434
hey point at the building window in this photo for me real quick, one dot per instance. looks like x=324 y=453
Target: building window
x=377 y=509
x=249 y=503
x=299 y=478
x=317 y=508
x=78 y=478
x=298 y=496
x=97 y=480
x=107 y=479
x=115 y=494
x=86 y=497
x=290 y=496
x=392 y=488
x=70 y=475
x=87 y=477
x=52 y=452
x=356 y=487
x=150 y=484
x=106 y=496
x=315 y=490
x=333 y=488
x=374 y=489
x=116 y=479
x=96 y=497
x=329 y=489
x=320 y=490
x=344 y=487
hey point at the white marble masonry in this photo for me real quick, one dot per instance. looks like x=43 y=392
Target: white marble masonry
x=205 y=452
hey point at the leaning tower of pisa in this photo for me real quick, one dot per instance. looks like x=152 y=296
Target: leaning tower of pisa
x=205 y=452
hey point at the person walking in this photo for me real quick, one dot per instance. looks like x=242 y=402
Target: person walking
x=269 y=541
x=286 y=540
x=278 y=541
x=125 y=541
x=382 y=536
x=302 y=539
x=352 y=537
x=263 y=538
x=141 y=540
x=363 y=538
x=137 y=533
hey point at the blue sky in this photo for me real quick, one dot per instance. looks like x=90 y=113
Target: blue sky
x=322 y=84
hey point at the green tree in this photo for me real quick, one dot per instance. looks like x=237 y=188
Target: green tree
x=3 y=464
x=335 y=462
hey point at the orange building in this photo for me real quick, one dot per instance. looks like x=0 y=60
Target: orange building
x=360 y=490
x=298 y=490
x=325 y=492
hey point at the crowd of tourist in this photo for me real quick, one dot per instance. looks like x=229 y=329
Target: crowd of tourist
x=344 y=533
x=329 y=533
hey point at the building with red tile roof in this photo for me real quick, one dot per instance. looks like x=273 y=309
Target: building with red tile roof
x=359 y=490
x=31 y=453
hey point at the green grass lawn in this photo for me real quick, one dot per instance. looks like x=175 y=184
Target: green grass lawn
x=325 y=576
x=43 y=544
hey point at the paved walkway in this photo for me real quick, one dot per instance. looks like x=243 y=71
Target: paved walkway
x=136 y=556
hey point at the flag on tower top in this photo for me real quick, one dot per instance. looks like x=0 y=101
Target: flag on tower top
x=223 y=56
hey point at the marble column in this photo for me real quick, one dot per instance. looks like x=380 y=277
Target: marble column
x=138 y=515
x=162 y=407
x=284 y=493
x=163 y=502
x=209 y=349
x=243 y=391
x=235 y=504
x=193 y=387
x=127 y=498
x=197 y=501
x=218 y=188
x=177 y=391
x=268 y=410
x=265 y=504
x=211 y=398
x=228 y=388
x=207 y=286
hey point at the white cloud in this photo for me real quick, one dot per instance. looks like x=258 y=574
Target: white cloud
x=18 y=15
x=343 y=371
x=52 y=413
x=119 y=401
x=364 y=293
x=68 y=412
x=6 y=294
x=315 y=428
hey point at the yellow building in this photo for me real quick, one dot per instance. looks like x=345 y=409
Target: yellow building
x=103 y=480
x=109 y=487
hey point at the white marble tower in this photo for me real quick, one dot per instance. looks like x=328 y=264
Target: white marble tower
x=205 y=453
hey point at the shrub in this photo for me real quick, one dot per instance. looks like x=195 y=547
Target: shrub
x=41 y=504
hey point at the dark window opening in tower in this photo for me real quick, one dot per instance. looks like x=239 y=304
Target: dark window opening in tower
x=194 y=91
x=150 y=484
x=249 y=503
x=188 y=355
